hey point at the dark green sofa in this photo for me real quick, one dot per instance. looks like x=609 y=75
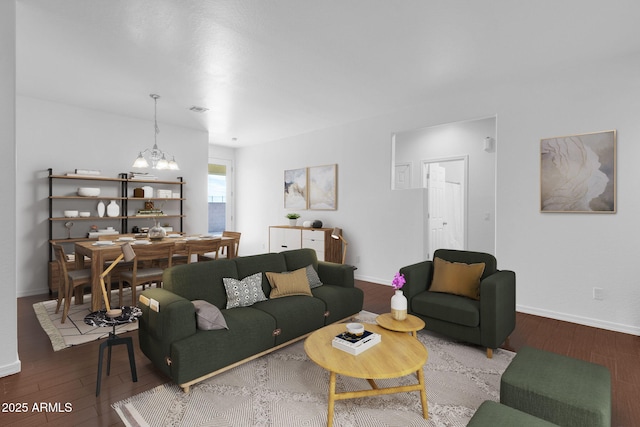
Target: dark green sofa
x=486 y=322
x=172 y=341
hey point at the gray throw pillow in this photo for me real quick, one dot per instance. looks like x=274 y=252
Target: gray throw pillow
x=208 y=316
x=245 y=292
x=312 y=276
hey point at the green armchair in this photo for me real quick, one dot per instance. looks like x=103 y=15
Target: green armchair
x=487 y=321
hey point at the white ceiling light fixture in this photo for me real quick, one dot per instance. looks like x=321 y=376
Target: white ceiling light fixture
x=157 y=157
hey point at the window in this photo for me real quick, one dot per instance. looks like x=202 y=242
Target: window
x=217 y=198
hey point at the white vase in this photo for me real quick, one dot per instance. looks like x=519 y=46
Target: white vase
x=113 y=209
x=399 y=306
x=293 y=222
x=101 y=209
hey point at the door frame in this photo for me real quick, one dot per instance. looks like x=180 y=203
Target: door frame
x=465 y=197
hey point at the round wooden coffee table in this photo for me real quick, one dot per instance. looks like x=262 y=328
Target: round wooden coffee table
x=411 y=324
x=395 y=356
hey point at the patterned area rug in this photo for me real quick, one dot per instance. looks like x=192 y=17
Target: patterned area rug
x=74 y=331
x=285 y=388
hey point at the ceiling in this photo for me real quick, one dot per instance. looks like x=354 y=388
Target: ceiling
x=270 y=69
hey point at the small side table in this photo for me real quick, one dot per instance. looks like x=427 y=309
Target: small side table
x=100 y=318
x=411 y=324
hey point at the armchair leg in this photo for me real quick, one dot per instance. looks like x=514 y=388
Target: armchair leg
x=489 y=353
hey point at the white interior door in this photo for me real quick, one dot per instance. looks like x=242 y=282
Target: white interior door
x=436 y=208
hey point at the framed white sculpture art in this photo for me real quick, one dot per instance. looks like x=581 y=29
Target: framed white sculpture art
x=578 y=173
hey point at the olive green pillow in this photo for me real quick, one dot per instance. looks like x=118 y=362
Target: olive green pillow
x=289 y=283
x=457 y=278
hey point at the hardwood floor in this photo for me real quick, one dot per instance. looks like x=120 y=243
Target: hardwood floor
x=69 y=376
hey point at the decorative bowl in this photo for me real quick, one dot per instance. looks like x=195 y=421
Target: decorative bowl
x=88 y=191
x=356 y=329
x=70 y=214
x=85 y=214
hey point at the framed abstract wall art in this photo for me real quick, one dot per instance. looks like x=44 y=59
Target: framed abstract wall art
x=578 y=173
x=295 y=188
x=323 y=187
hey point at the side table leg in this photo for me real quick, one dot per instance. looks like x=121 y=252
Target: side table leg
x=332 y=395
x=132 y=360
x=100 y=355
x=423 y=394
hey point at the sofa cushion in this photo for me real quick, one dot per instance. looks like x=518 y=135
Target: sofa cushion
x=447 y=307
x=201 y=280
x=312 y=277
x=457 y=278
x=289 y=283
x=340 y=302
x=295 y=315
x=262 y=263
x=245 y=292
x=208 y=316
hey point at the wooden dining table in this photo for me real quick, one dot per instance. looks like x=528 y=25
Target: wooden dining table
x=99 y=253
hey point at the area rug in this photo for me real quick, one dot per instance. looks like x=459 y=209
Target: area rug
x=74 y=331
x=285 y=388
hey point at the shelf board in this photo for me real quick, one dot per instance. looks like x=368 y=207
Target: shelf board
x=156 y=181
x=87 y=178
x=153 y=216
x=86 y=218
x=72 y=240
x=142 y=199
x=87 y=198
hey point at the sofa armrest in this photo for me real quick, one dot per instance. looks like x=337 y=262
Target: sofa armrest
x=418 y=277
x=497 y=307
x=332 y=273
x=175 y=319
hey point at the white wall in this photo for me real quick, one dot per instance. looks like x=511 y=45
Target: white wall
x=64 y=137
x=453 y=140
x=9 y=362
x=558 y=258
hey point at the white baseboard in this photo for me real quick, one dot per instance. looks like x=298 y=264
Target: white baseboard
x=372 y=279
x=586 y=321
x=10 y=369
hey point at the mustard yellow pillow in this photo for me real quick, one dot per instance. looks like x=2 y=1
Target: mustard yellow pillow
x=457 y=278
x=290 y=283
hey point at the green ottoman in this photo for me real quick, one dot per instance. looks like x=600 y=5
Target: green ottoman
x=565 y=391
x=492 y=414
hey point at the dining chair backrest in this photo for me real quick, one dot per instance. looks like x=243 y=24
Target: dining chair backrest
x=153 y=252
x=61 y=259
x=201 y=247
x=69 y=280
x=235 y=235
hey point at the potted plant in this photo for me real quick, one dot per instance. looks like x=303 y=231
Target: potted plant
x=293 y=218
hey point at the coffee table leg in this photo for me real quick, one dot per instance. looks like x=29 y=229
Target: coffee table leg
x=332 y=396
x=423 y=394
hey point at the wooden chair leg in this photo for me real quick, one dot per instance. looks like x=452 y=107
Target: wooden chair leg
x=67 y=304
x=489 y=353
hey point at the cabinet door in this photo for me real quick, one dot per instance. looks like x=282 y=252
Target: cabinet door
x=314 y=239
x=284 y=239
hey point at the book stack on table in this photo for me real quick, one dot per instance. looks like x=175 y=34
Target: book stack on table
x=356 y=344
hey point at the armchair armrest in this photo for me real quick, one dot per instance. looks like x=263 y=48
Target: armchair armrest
x=497 y=307
x=332 y=273
x=418 y=278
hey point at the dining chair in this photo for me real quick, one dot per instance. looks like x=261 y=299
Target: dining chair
x=69 y=280
x=141 y=275
x=222 y=252
x=204 y=249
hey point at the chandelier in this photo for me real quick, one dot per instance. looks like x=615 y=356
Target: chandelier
x=157 y=157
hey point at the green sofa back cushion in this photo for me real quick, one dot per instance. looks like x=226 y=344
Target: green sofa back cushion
x=253 y=264
x=201 y=280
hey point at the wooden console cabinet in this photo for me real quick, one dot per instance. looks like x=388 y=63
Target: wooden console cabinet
x=284 y=238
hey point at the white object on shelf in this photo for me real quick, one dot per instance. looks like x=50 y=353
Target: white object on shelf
x=163 y=194
x=101 y=209
x=70 y=214
x=113 y=209
x=88 y=191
